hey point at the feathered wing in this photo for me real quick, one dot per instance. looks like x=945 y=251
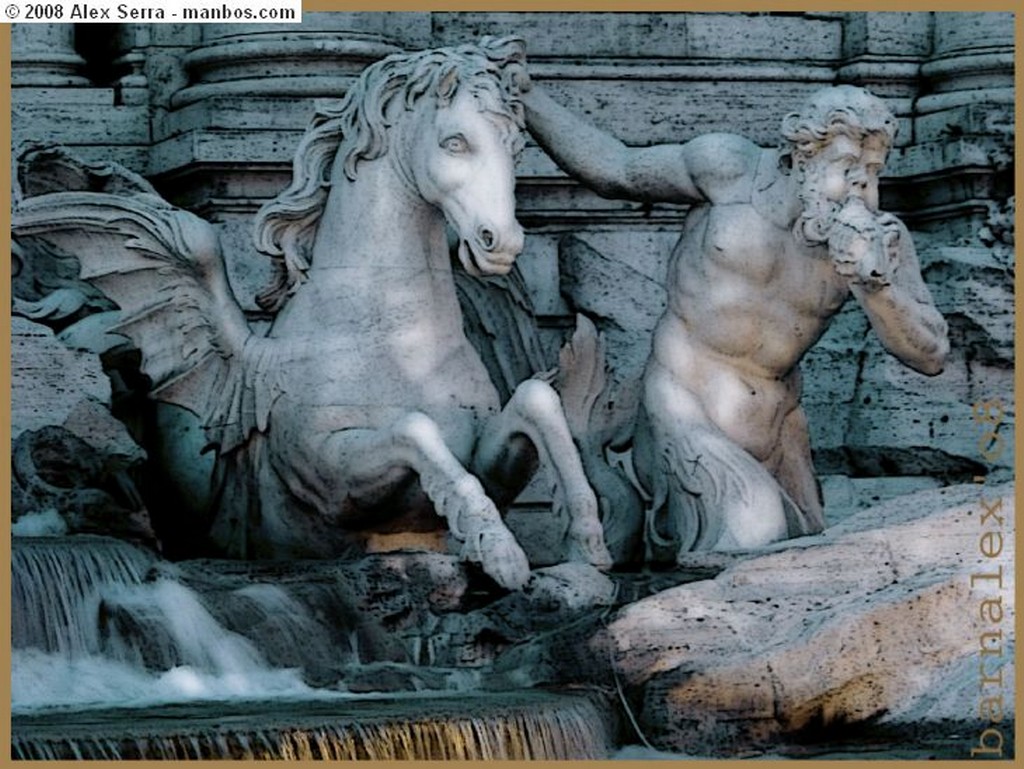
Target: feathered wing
x=163 y=267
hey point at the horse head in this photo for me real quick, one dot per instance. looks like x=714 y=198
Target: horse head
x=448 y=119
x=461 y=158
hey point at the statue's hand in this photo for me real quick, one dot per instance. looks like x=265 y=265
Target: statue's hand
x=876 y=271
x=510 y=55
x=867 y=253
x=845 y=267
x=845 y=249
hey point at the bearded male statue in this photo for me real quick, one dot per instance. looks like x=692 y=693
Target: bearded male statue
x=775 y=243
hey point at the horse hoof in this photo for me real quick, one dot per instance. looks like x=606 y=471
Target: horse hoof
x=501 y=558
x=586 y=545
x=509 y=576
x=600 y=559
x=506 y=563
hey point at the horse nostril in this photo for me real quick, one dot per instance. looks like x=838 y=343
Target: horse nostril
x=486 y=238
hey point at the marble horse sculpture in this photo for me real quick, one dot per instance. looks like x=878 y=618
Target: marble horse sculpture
x=364 y=405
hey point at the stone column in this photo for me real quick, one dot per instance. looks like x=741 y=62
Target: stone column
x=883 y=52
x=969 y=77
x=53 y=102
x=44 y=56
x=964 y=123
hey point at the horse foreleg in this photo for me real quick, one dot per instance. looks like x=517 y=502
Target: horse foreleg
x=416 y=443
x=535 y=412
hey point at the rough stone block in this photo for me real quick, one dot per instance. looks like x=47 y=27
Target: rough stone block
x=92 y=118
x=896 y=34
x=49 y=380
x=756 y=36
x=857 y=624
x=653 y=35
x=965 y=31
x=658 y=111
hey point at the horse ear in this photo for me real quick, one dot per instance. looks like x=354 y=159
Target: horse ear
x=447 y=84
x=504 y=50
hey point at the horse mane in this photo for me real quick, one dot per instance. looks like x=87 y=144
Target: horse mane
x=356 y=126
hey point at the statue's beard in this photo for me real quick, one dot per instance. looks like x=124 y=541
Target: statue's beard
x=814 y=224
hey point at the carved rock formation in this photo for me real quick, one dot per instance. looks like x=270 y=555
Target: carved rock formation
x=872 y=624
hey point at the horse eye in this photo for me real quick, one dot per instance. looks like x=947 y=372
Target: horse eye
x=455 y=144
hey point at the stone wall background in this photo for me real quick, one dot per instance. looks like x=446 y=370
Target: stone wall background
x=211 y=114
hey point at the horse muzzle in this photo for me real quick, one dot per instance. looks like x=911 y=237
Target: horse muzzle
x=489 y=251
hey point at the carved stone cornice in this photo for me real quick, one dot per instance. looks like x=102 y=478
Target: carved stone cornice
x=297 y=65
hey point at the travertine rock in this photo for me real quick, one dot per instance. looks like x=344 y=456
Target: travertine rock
x=869 y=416
x=49 y=380
x=865 y=621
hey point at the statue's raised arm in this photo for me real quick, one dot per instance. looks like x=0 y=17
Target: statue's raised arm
x=603 y=162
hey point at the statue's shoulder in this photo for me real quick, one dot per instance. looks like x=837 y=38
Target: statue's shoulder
x=725 y=145
x=723 y=165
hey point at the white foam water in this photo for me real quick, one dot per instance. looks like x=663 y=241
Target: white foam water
x=65 y=655
x=56 y=588
x=46 y=523
x=45 y=681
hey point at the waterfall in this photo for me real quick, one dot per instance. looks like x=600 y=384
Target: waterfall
x=298 y=626
x=56 y=588
x=510 y=726
x=93 y=625
x=167 y=627
x=120 y=655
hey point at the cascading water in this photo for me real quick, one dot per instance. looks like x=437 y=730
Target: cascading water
x=56 y=589
x=118 y=654
x=95 y=623
x=523 y=725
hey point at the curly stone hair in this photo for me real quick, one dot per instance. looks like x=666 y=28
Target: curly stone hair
x=842 y=110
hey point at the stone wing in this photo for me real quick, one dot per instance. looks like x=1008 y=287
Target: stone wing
x=163 y=268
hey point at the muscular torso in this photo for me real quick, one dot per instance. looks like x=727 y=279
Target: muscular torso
x=745 y=290
x=745 y=302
